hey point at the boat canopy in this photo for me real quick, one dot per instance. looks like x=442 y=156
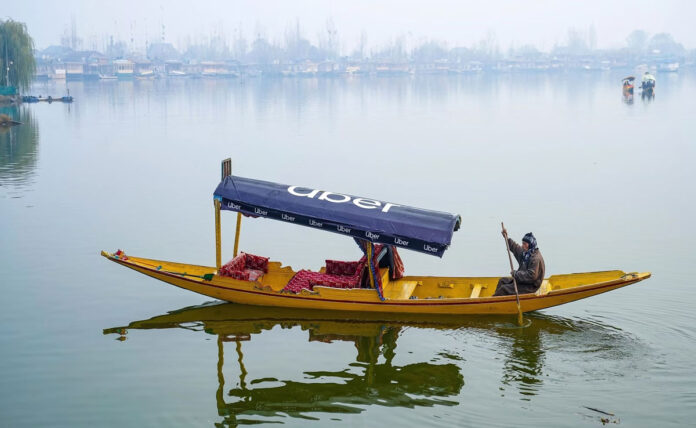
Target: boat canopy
x=376 y=221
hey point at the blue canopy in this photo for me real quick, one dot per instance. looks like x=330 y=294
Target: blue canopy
x=381 y=222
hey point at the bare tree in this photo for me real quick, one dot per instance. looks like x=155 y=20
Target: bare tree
x=363 y=43
x=637 y=41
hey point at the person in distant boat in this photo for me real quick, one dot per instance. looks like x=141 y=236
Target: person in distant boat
x=648 y=82
x=530 y=274
x=647 y=77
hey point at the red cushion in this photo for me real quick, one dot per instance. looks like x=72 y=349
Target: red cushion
x=256 y=262
x=245 y=267
x=236 y=263
x=336 y=281
x=398 y=265
x=306 y=279
x=335 y=267
x=238 y=274
x=338 y=274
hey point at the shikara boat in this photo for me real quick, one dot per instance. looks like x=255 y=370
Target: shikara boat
x=376 y=282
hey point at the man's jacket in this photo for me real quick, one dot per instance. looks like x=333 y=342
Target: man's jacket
x=532 y=272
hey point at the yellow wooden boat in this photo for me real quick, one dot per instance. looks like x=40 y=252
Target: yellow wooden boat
x=373 y=284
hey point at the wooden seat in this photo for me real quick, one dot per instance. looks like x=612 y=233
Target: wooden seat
x=476 y=290
x=399 y=290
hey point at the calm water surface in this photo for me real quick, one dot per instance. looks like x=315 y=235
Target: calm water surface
x=602 y=183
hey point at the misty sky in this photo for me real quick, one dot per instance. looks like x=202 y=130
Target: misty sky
x=459 y=23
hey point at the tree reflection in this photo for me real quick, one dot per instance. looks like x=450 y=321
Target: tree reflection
x=18 y=147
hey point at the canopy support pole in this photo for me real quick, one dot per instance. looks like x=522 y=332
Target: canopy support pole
x=225 y=171
x=218 y=249
x=236 y=235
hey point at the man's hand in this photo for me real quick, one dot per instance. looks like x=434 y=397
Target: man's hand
x=504 y=232
x=512 y=273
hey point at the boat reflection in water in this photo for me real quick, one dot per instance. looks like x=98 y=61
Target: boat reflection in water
x=370 y=380
x=366 y=382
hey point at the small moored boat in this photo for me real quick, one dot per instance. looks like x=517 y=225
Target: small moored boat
x=376 y=282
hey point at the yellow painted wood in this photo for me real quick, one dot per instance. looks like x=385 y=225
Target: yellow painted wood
x=368 y=253
x=218 y=240
x=544 y=288
x=400 y=290
x=429 y=298
x=476 y=290
x=236 y=234
x=384 y=273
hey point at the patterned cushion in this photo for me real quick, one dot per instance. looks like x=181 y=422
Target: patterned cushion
x=298 y=282
x=335 y=267
x=335 y=281
x=306 y=279
x=399 y=269
x=241 y=275
x=236 y=264
x=253 y=274
x=245 y=267
x=338 y=274
x=256 y=262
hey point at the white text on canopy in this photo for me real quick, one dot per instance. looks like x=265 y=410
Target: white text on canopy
x=337 y=198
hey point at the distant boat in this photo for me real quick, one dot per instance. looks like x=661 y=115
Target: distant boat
x=176 y=73
x=145 y=75
x=49 y=99
x=218 y=72
x=628 y=86
x=107 y=77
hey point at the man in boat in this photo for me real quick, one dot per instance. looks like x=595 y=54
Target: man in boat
x=530 y=274
x=648 y=78
x=648 y=83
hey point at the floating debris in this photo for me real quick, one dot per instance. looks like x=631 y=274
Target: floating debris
x=608 y=418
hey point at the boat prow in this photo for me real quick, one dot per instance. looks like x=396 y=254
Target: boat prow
x=410 y=294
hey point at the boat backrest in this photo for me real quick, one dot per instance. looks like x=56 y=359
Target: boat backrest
x=337 y=267
x=247 y=267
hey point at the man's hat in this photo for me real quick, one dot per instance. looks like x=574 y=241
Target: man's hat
x=530 y=239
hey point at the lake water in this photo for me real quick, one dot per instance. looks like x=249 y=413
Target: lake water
x=602 y=183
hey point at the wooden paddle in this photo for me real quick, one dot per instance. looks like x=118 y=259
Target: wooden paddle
x=514 y=282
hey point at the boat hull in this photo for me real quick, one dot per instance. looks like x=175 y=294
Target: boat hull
x=190 y=277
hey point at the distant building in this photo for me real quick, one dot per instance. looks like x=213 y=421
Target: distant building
x=55 y=52
x=124 y=68
x=74 y=70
